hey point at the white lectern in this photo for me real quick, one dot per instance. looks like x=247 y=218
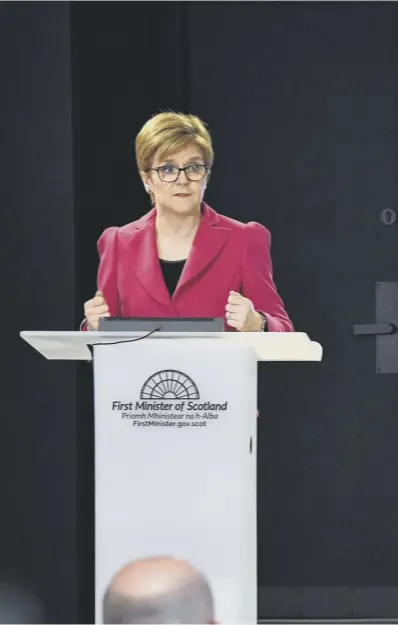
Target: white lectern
x=175 y=450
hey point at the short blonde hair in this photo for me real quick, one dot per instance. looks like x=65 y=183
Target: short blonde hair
x=170 y=132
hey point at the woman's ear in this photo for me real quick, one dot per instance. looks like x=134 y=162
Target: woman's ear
x=147 y=182
x=145 y=177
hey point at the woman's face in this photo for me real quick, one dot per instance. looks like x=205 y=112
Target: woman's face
x=182 y=194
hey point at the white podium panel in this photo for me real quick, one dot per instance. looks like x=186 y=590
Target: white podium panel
x=175 y=453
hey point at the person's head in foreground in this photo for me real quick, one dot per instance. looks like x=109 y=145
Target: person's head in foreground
x=158 y=590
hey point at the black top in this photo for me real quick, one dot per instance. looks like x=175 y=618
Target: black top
x=171 y=270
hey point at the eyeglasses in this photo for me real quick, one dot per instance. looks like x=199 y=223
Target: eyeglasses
x=169 y=173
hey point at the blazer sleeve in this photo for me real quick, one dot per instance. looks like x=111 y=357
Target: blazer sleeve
x=258 y=284
x=107 y=281
x=107 y=272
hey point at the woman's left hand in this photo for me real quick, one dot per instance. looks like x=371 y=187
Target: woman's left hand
x=241 y=314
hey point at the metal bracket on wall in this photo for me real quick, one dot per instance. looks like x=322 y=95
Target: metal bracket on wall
x=386 y=327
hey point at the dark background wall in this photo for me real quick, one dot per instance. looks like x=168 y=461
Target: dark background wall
x=301 y=100
x=38 y=407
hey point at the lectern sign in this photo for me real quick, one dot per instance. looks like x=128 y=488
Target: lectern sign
x=175 y=472
x=169 y=398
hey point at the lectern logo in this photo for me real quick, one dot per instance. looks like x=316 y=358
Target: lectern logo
x=170 y=398
x=169 y=384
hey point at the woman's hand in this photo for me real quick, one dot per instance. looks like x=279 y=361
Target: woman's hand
x=241 y=314
x=94 y=309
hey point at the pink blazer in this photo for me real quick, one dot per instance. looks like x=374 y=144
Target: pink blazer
x=227 y=255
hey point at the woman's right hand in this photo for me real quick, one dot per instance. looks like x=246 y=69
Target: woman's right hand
x=94 y=309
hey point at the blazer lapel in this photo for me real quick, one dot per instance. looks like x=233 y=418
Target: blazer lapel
x=146 y=261
x=210 y=240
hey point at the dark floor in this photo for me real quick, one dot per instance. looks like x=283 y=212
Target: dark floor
x=328 y=621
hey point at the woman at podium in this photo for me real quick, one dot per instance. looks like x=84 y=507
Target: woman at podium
x=182 y=258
